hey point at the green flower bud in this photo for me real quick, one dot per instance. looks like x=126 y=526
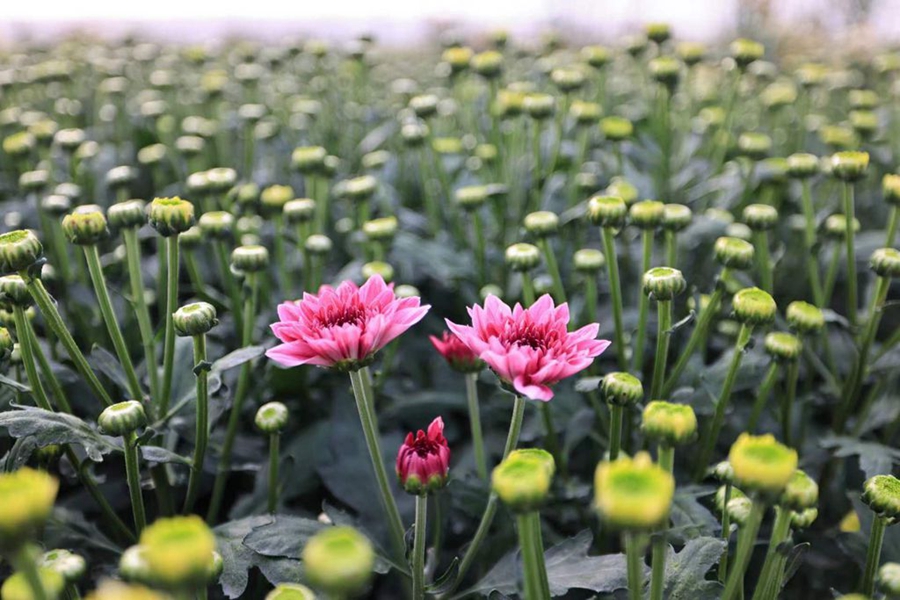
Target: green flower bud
x=760 y=217
x=607 y=211
x=567 y=79
x=250 y=259
x=864 y=122
x=471 y=197
x=753 y=306
x=170 y=216
x=624 y=189
x=300 y=210
x=739 y=510
x=890 y=189
x=273 y=198
x=542 y=223
x=881 y=493
x=19 y=144
x=783 y=346
x=246 y=194
x=646 y=214
x=668 y=423
x=523 y=257
x=522 y=481
x=666 y=70
x=377 y=267
x=26 y=501
x=19 y=250
x=291 y=591
x=585 y=113
x=34 y=181
x=836 y=226
x=414 y=133
x=804 y=519
x=375 y=160
x=621 y=389
x=189 y=145
x=152 y=154
x=6 y=344
x=739 y=231
x=850 y=165
x=71 y=566
x=339 y=561
x=133 y=565
x=676 y=217
x=271 y=417
x=802 y=165
x=488 y=64
x=889 y=579
x=723 y=472
x=14 y=290
x=17 y=586
x=221 y=179
x=360 y=189
x=447 y=145
x=216 y=566
x=120 y=176
x=635 y=44
x=804 y=317
x=800 y=493
x=191 y=238
x=746 y=51
x=382 y=229
x=56 y=205
x=663 y=283
x=595 y=56
x=633 y=494
x=734 y=253
x=779 y=94
x=762 y=464
x=539 y=106
x=886 y=262
x=198 y=183
x=122 y=418
x=616 y=129
x=657 y=32
x=309 y=159
x=193 y=319
x=407 y=291
x=318 y=244
x=127 y=214
x=424 y=106
x=86 y=225
x=588 y=260
x=863 y=99
x=690 y=53
x=216 y=225
x=719 y=500
x=178 y=551
x=487 y=153
x=754 y=145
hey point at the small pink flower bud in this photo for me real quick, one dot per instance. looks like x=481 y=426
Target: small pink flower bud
x=424 y=460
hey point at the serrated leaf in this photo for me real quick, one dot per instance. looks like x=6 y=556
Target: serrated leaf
x=56 y=428
x=686 y=570
x=689 y=517
x=284 y=536
x=874 y=458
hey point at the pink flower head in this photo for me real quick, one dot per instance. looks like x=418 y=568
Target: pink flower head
x=529 y=348
x=456 y=353
x=424 y=460
x=342 y=327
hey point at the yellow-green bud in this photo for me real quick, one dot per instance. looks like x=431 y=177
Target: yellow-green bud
x=273 y=198
x=616 y=129
x=424 y=105
x=19 y=250
x=657 y=32
x=522 y=480
x=246 y=194
x=802 y=165
x=127 y=214
x=663 y=283
x=585 y=113
x=539 y=106
x=221 y=179
x=191 y=238
x=523 y=257
x=26 y=500
x=881 y=493
x=19 y=144
x=69 y=139
x=86 y=225
x=414 y=133
x=863 y=99
x=407 y=291
x=56 y=205
x=690 y=53
x=308 y=159
x=676 y=217
x=588 y=260
x=890 y=189
x=804 y=519
x=800 y=493
x=14 y=290
x=542 y=223
x=783 y=346
x=71 y=566
x=471 y=197
x=804 y=317
x=666 y=70
x=754 y=145
x=133 y=565
x=864 y=122
x=339 y=561
x=607 y=211
x=291 y=591
x=760 y=217
x=300 y=210
x=217 y=224
x=318 y=244
x=624 y=189
x=646 y=214
x=734 y=253
x=849 y=165
x=886 y=262
x=723 y=472
x=633 y=494
x=178 y=551
x=378 y=267
x=197 y=183
x=635 y=44
x=567 y=79
x=719 y=500
x=250 y=259
x=170 y=216
x=375 y=160
x=739 y=231
x=271 y=417
x=6 y=344
x=114 y=590
x=762 y=464
x=889 y=579
x=621 y=389
x=595 y=56
x=18 y=587
x=152 y=154
x=189 y=145
x=193 y=319
x=779 y=94
x=753 y=306
x=34 y=181
x=381 y=229
x=488 y=64
x=120 y=176
x=739 y=510
x=836 y=226
x=746 y=51
x=360 y=189
x=668 y=423
x=122 y=418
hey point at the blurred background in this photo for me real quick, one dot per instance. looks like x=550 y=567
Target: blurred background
x=404 y=22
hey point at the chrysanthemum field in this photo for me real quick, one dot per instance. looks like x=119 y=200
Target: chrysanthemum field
x=489 y=318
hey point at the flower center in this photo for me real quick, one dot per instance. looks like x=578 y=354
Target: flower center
x=424 y=447
x=529 y=334
x=336 y=316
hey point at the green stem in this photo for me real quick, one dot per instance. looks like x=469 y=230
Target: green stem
x=615 y=290
x=480 y=247
x=201 y=429
x=726 y=535
x=763 y=262
x=142 y=313
x=558 y=289
x=229 y=283
x=787 y=401
x=780 y=531
x=418 y=556
x=812 y=259
x=475 y=424
x=551 y=439
x=671 y=241
x=58 y=326
x=92 y=256
x=893 y=221
x=635 y=546
x=590 y=298
x=762 y=396
x=526 y=550
x=873 y=554
x=527 y=289
x=658 y=566
x=831 y=273
x=62 y=402
x=27 y=352
x=664 y=324
x=133 y=474
x=364 y=404
x=274 y=453
x=23 y=562
x=644 y=304
x=850 y=252
x=616 y=415
x=712 y=434
x=538 y=548
x=746 y=540
x=171 y=296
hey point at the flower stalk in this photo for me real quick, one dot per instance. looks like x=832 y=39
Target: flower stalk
x=418 y=551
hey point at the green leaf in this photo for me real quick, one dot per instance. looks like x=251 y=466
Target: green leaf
x=686 y=570
x=19 y=387
x=874 y=458
x=56 y=428
x=285 y=536
x=103 y=361
x=156 y=454
x=690 y=518
x=237 y=358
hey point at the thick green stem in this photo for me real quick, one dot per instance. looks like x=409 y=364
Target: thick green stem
x=538 y=548
x=274 y=453
x=644 y=303
x=809 y=237
x=590 y=299
x=418 y=552
x=133 y=474
x=92 y=256
x=58 y=326
x=142 y=313
x=763 y=261
x=23 y=562
x=27 y=352
x=850 y=254
x=62 y=401
x=201 y=429
x=746 y=540
x=658 y=566
x=527 y=289
x=171 y=296
x=534 y=571
x=762 y=396
x=780 y=531
x=616 y=416
x=712 y=433
x=873 y=554
x=893 y=221
x=635 y=546
x=664 y=324
x=726 y=535
x=615 y=290
x=559 y=291
x=671 y=242
x=787 y=401
x=475 y=425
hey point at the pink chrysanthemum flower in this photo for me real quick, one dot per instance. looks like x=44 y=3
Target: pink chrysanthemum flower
x=424 y=460
x=529 y=348
x=343 y=327
x=456 y=353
